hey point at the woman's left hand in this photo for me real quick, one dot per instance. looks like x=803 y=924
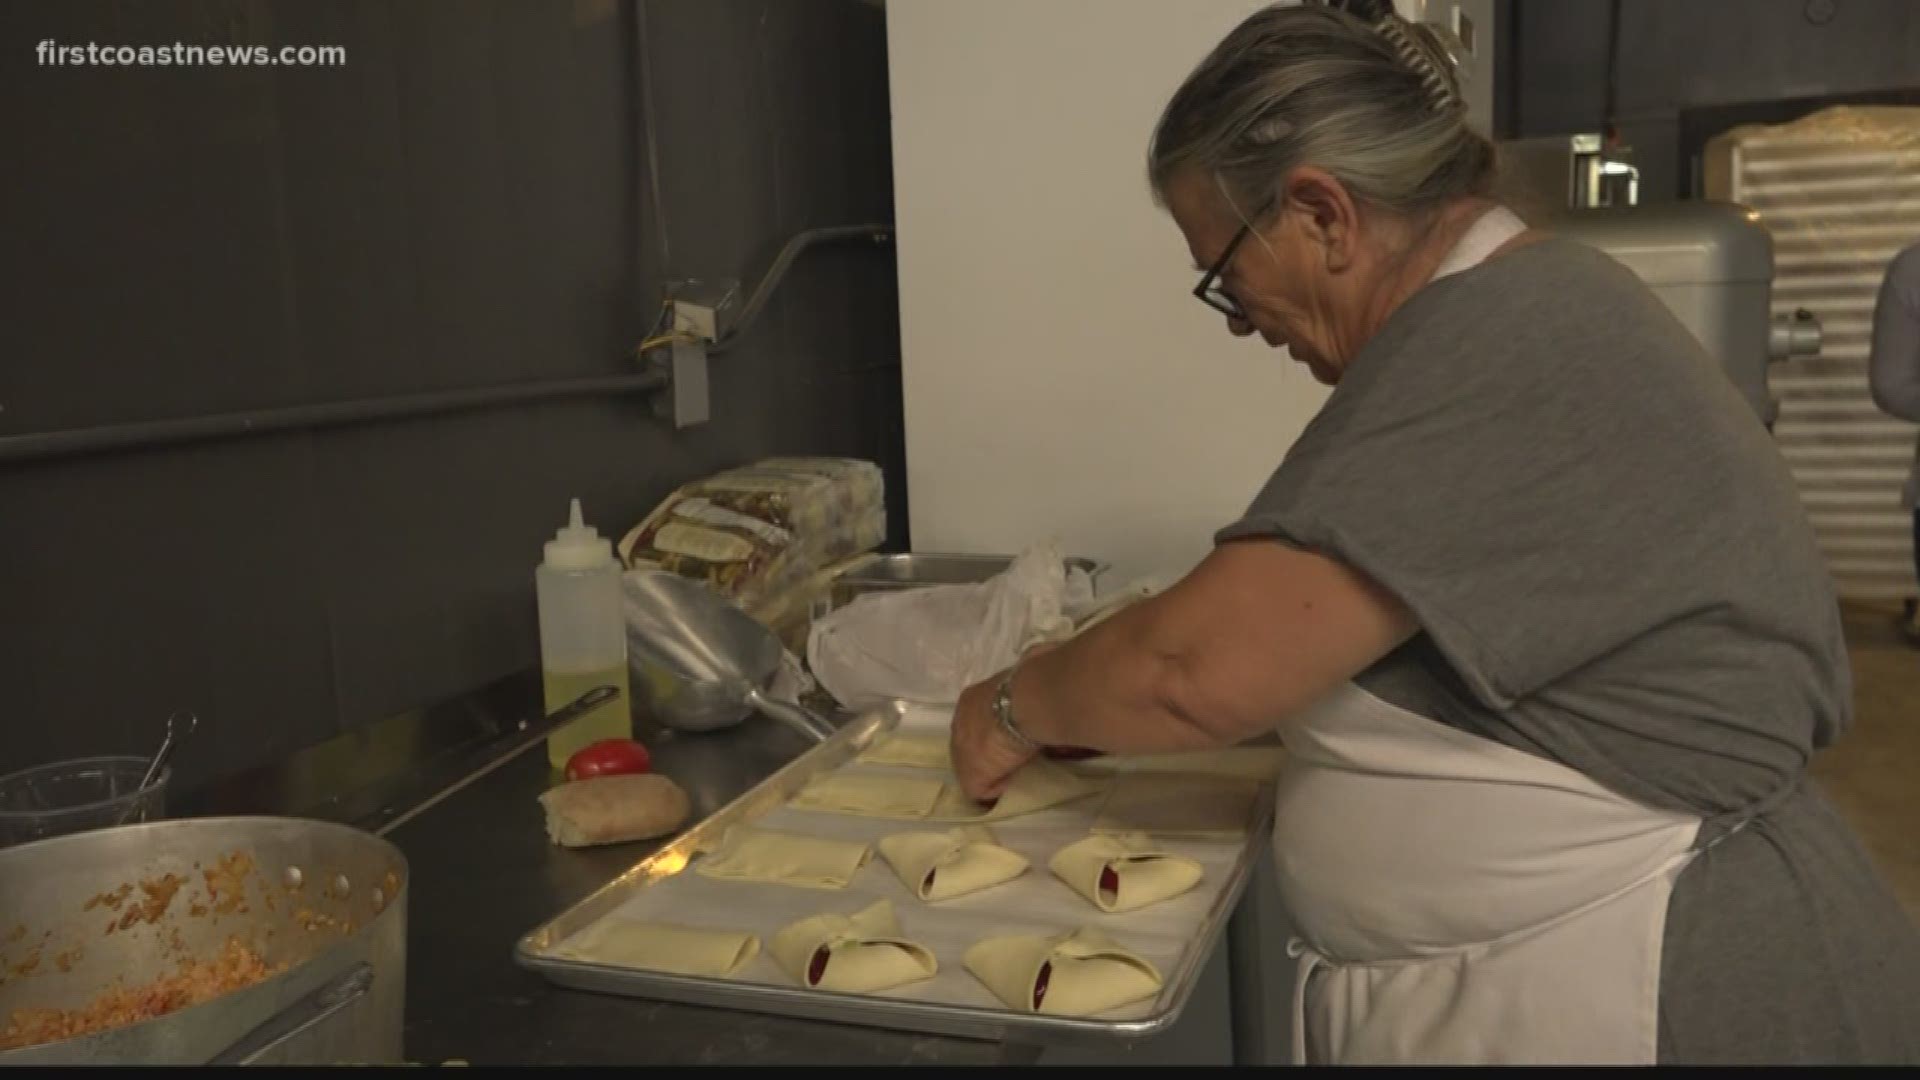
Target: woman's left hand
x=984 y=757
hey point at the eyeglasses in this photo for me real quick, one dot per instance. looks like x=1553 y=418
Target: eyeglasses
x=1210 y=291
x=1214 y=294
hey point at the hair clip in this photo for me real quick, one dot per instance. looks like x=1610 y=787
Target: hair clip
x=1438 y=87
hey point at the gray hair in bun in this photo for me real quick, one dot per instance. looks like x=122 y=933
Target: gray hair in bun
x=1351 y=88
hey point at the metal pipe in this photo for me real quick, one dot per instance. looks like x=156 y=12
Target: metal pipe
x=150 y=434
x=876 y=234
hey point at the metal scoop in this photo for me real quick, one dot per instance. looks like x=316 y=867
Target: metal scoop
x=702 y=663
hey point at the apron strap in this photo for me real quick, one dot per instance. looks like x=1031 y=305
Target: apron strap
x=1305 y=962
x=1719 y=828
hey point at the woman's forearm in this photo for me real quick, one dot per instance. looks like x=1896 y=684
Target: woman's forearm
x=1107 y=690
x=1256 y=633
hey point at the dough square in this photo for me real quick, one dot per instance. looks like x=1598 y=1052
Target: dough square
x=920 y=749
x=658 y=946
x=784 y=858
x=874 y=794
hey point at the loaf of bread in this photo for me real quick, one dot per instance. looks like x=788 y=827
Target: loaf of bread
x=614 y=809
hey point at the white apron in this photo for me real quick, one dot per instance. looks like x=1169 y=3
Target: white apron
x=1463 y=901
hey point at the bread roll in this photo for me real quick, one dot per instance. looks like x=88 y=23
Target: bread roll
x=614 y=809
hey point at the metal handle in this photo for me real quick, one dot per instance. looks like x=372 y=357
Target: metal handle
x=300 y=1016
x=168 y=744
x=578 y=707
x=1794 y=335
x=530 y=734
x=794 y=715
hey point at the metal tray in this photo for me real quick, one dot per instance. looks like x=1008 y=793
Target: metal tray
x=534 y=950
x=913 y=570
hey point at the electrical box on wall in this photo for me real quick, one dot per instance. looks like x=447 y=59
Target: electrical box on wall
x=699 y=312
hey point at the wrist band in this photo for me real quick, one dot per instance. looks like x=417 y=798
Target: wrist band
x=1003 y=712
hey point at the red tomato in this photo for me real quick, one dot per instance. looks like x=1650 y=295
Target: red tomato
x=608 y=757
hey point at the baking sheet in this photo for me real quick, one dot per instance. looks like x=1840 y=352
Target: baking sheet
x=1176 y=936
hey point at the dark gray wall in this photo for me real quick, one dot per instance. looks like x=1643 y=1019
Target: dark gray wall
x=468 y=201
x=1680 y=55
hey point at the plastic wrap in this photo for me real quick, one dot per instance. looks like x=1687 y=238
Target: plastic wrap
x=931 y=643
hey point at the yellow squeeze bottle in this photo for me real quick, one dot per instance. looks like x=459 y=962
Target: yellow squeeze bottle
x=583 y=635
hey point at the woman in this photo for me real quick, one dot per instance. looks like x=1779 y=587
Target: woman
x=1532 y=604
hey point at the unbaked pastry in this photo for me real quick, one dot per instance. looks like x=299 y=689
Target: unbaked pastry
x=1039 y=785
x=1081 y=973
x=769 y=855
x=862 y=953
x=943 y=865
x=925 y=750
x=887 y=795
x=680 y=950
x=1124 y=872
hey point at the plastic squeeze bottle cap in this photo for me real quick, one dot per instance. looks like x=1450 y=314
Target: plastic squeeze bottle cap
x=578 y=546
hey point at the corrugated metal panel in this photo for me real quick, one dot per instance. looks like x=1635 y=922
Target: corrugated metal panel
x=1841 y=194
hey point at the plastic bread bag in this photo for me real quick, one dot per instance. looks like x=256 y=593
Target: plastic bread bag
x=756 y=532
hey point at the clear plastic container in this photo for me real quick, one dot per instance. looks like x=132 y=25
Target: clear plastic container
x=74 y=796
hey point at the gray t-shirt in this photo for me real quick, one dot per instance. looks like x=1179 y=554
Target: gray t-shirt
x=1612 y=569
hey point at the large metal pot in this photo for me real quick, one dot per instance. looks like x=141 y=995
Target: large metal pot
x=327 y=901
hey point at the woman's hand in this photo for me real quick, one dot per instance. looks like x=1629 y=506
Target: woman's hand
x=984 y=757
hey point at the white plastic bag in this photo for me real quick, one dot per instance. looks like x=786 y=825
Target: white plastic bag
x=929 y=644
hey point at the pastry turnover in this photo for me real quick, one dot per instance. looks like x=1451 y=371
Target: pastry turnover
x=861 y=953
x=1124 y=872
x=942 y=865
x=1081 y=973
